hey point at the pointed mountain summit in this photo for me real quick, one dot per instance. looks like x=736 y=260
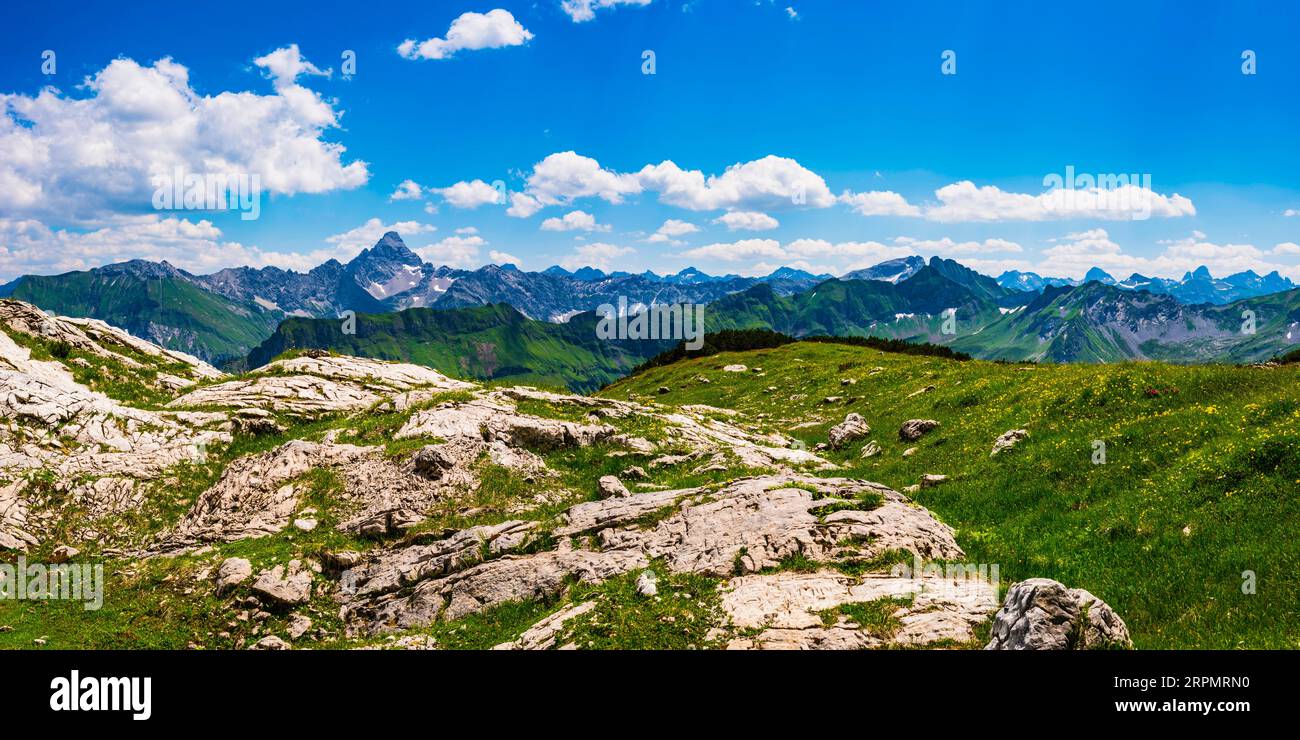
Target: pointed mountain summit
x=1099 y=275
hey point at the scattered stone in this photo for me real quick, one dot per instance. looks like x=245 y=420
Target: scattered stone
x=870 y=449
x=663 y=389
x=611 y=486
x=832 y=399
x=270 y=642
x=930 y=480
x=64 y=553
x=1042 y=614
x=298 y=626
x=913 y=429
x=734 y=369
x=635 y=472
x=853 y=427
x=1008 y=440
x=647 y=584
x=847 y=381
x=927 y=389
x=909 y=451
x=232 y=572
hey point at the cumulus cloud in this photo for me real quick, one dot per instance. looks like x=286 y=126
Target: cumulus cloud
x=284 y=66
x=503 y=258
x=747 y=221
x=584 y=10
x=469 y=32
x=769 y=182
x=964 y=201
x=471 y=194
x=948 y=246
x=574 y=221
x=1286 y=248
x=365 y=235
x=28 y=246
x=670 y=230
x=407 y=190
x=1291 y=212
x=879 y=203
x=87 y=158
x=744 y=249
x=599 y=255
x=453 y=251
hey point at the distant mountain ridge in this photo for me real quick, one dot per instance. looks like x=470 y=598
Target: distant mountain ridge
x=224 y=315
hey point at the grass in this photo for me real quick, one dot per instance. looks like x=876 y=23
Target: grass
x=1198 y=488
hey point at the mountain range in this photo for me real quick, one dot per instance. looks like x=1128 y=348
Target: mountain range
x=223 y=316
x=1196 y=286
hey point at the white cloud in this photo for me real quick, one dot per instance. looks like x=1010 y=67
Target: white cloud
x=407 y=190
x=453 y=251
x=1291 y=212
x=879 y=203
x=963 y=201
x=365 y=235
x=83 y=159
x=1286 y=248
x=574 y=221
x=791 y=13
x=584 y=10
x=503 y=258
x=284 y=66
x=745 y=249
x=564 y=176
x=464 y=230
x=470 y=194
x=948 y=246
x=471 y=31
x=769 y=182
x=599 y=255
x=523 y=206
x=28 y=246
x=747 y=221
x=670 y=230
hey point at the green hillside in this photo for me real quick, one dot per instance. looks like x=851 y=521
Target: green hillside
x=1201 y=481
x=170 y=311
x=492 y=342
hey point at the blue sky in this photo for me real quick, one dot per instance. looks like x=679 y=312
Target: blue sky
x=845 y=102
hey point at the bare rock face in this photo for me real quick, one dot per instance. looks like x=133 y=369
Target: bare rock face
x=789 y=610
x=852 y=428
x=542 y=635
x=255 y=496
x=1042 y=614
x=299 y=394
x=488 y=421
x=399 y=375
x=1008 y=440
x=913 y=429
x=746 y=526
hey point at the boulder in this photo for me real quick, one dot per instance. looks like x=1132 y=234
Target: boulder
x=913 y=429
x=930 y=480
x=291 y=586
x=870 y=449
x=1042 y=614
x=233 y=572
x=611 y=486
x=852 y=428
x=1008 y=440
